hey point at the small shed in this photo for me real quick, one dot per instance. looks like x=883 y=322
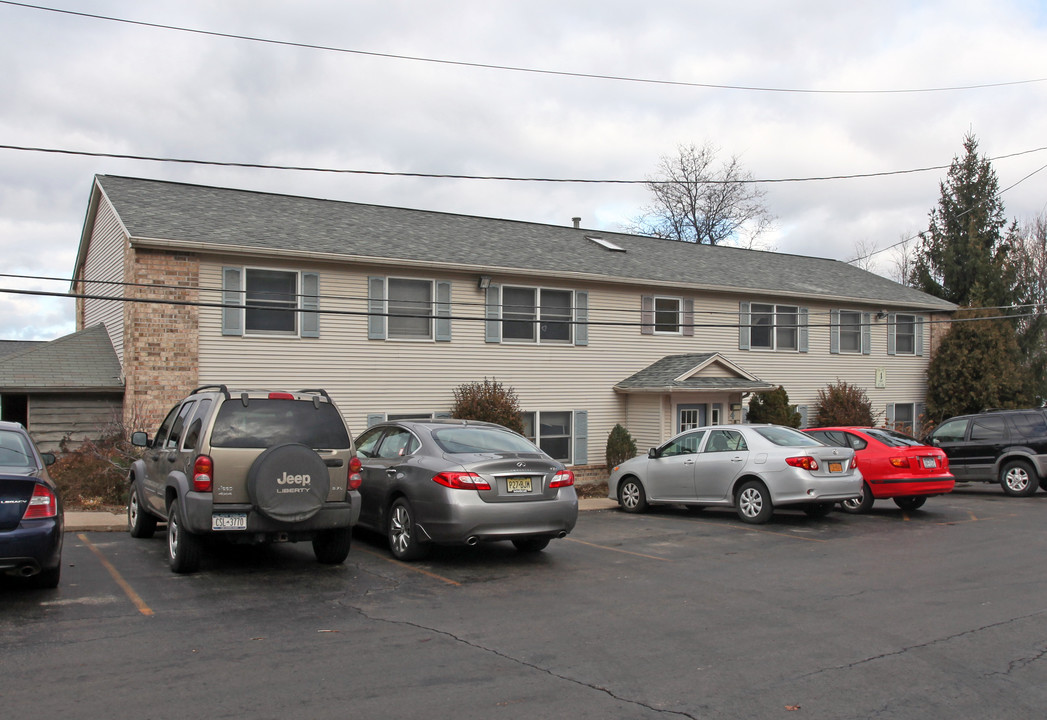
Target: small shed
x=69 y=388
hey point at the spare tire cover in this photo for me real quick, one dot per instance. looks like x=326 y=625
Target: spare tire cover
x=288 y=482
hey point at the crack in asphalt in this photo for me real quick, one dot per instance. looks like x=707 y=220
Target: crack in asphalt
x=551 y=673
x=1020 y=663
x=930 y=643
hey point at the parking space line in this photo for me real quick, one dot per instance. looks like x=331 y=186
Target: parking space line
x=134 y=597
x=413 y=568
x=617 y=550
x=750 y=528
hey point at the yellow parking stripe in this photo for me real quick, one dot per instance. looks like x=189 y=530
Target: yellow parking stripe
x=618 y=550
x=408 y=566
x=124 y=585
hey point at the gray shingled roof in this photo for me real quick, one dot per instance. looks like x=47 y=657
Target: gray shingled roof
x=227 y=218
x=84 y=361
x=661 y=376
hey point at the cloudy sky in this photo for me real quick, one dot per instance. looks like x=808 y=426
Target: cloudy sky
x=802 y=89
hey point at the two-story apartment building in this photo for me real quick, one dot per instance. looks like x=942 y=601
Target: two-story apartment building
x=389 y=309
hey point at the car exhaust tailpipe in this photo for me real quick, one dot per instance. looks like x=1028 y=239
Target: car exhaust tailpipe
x=472 y=540
x=562 y=534
x=27 y=571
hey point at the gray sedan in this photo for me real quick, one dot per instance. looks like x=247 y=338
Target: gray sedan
x=461 y=482
x=753 y=468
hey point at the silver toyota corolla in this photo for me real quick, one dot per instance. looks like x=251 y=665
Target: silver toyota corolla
x=457 y=481
x=753 y=468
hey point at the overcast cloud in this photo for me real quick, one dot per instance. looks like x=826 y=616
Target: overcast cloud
x=78 y=83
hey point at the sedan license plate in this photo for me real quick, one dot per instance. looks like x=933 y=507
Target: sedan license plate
x=518 y=485
x=835 y=467
x=229 y=521
x=928 y=462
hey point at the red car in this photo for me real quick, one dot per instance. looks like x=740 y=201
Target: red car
x=894 y=466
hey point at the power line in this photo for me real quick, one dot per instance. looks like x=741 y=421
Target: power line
x=506 y=178
x=514 y=68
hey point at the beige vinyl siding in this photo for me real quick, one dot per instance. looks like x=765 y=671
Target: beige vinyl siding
x=389 y=376
x=105 y=262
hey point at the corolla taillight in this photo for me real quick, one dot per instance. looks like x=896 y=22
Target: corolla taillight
x=203 y=474
x=804 y=461
x=462 y=481
x=43 y=504
x=564 y=478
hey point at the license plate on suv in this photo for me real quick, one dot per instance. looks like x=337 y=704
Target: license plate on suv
x=518 y=484
x=229 y=521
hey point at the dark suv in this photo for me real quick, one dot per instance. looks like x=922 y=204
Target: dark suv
x=247 y=467
x=1005 y=446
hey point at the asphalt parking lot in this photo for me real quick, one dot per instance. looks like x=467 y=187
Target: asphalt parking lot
x=938 y=613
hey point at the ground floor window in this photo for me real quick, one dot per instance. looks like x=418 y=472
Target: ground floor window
x=904 y=419
x=551 y=431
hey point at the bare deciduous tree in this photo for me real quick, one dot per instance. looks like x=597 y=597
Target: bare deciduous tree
x=697 y=201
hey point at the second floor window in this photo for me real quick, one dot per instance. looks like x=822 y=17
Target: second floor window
x=774 y=327
x=536 y=315
x=410 y=309
x=667 y=315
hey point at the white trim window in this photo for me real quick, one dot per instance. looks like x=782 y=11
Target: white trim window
x=410 y=304
x=539 y=315
x=905 y=334
x=850 y=332
x=551 y=431
x=267 y=302
x=667 y=315
x=903 y=417
x=774 y=327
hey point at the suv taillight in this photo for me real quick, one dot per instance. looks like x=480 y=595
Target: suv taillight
x=564 y=478
x=355 y=478
x=804 y=461
x=203 y=474
x=462 y=481
x=43 y=504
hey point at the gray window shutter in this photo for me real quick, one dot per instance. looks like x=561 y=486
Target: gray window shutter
x=375 y=418
x=834 y=332
x=892 y=340
x=310 y=304
x=688 y=317
x=443 y=311
x=919 y=336
x=232 y=317
x=802 y=409
x=744 y=321
x=493 y=313
x=581 y=437
x=581 y=317
x=866 y=333
x=376 y=311
x=890 y=415
x=647 y=315
x=804 y=322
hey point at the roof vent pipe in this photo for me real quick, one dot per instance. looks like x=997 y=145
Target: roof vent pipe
x=577 y=222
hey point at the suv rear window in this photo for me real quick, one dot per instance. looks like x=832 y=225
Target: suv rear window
x=1029 y=424
x=268 y=422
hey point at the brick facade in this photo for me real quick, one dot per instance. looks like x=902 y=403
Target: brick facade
x=161 y=348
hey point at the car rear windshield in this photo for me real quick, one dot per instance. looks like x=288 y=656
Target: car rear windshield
x=786 y=437
x=892 y=438
x=267 y=422
x=15 y=451
x=481 y=440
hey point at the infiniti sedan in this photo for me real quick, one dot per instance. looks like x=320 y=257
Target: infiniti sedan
x=752 y=468
x=461 y=482
x=31 y=527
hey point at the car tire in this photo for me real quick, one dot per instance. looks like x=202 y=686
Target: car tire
x=47 y=579
x=140 y=523
x=531 y=545
x=331 y=547
x=909 y=503
x=753 y=503
x=861 y=504
x=818 y=510
x=290 y=466
x=1018 y=479
x=631 y=496
x=402 y=532
x=183 y=547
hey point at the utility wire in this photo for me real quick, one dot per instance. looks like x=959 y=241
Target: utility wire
x=514 y=68
x=389 y=173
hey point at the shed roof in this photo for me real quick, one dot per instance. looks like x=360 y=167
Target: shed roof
x=217 y=219
x=84 y=362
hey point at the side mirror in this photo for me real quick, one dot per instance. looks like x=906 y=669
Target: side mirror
x=139 y=439
x=653 y=453
x=49 y=458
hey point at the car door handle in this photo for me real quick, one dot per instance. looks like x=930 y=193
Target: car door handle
x=737 y=459
x=688 y=462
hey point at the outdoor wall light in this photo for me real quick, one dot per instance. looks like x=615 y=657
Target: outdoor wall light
x=484 y=282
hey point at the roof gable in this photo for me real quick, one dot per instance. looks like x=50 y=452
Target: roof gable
x=693 y=372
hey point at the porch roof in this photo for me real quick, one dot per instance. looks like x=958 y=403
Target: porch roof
x=684 y=373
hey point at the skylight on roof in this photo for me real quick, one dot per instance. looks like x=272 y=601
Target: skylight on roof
x=605 y=243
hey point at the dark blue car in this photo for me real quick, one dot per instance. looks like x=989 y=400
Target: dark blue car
x=31 y=525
